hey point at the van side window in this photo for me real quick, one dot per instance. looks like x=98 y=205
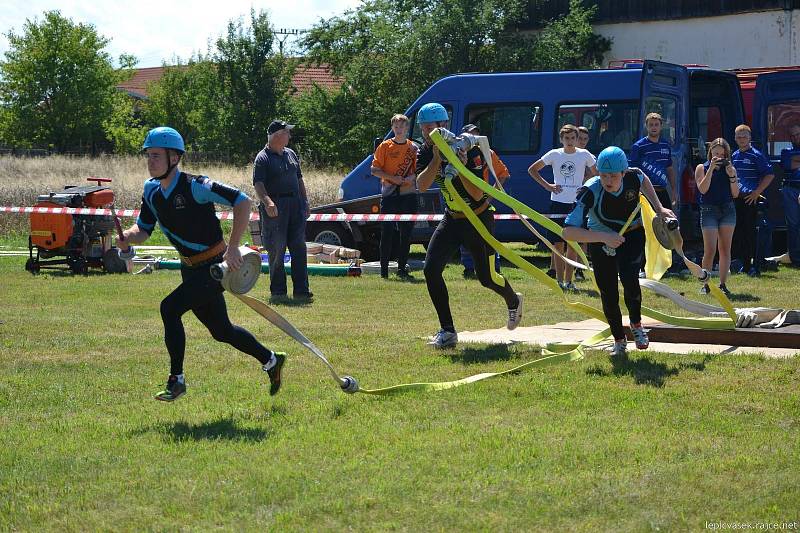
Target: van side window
x=609 y=123
x=666 y=106
x=511 y=128
x=416 y=133
x=781 y=117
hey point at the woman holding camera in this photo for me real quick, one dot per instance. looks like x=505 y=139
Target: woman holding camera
x=718 y=186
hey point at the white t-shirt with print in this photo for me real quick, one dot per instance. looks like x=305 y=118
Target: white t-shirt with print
x=568 y=171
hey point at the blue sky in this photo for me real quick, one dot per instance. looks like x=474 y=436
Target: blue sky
x=156 y=31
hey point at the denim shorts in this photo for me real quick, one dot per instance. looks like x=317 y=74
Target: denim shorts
x=714 y=216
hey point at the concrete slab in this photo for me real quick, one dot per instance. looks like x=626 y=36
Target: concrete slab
x=576 y=331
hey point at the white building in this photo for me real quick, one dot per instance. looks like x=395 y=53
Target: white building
x=722 y=34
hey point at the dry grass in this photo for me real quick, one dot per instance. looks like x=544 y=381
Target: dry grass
x=22 y=179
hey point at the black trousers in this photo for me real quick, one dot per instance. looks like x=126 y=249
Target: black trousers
x=398 y=204
x=625 y=265
x=744 y=236
x=448 y=236
x=201 y=294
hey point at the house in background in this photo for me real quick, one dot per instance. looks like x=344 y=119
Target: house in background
x=723 y=34
x=303 y=79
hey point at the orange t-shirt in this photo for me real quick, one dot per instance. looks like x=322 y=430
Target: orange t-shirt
x=499 y=167
x=398 y=160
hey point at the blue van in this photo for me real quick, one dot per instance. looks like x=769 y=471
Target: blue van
x=521 y=113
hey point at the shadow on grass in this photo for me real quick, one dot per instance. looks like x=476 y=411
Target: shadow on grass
x=222 y=429
x=743 y=297
x=493 y=352
x=290 y=302
x=644 y=371
x=698 y=366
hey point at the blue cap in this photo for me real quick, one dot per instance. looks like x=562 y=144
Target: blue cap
x=612 y=159
x=164 y=137
x=432 y=113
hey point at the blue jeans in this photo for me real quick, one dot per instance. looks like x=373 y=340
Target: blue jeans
x=791 y=210
x=287 y=229
x=714 y=216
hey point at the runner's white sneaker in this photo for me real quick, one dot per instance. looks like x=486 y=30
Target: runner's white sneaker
x=444 y=339
x=620 y=348
x=515 y=315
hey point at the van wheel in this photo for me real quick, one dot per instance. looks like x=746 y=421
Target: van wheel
x=327 y=233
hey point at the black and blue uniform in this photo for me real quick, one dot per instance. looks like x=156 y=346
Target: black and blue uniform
x=454 y=230
x=608 y=212
x=185 y=213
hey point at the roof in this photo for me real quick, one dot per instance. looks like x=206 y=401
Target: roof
x=304 y=78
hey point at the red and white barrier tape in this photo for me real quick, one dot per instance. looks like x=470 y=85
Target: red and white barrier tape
x=228 y=215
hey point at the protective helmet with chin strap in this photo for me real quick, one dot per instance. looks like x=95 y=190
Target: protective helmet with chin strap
x=612 y=159
x=167 y=138
x=432 y=112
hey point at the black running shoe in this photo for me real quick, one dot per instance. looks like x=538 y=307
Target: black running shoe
x=274 y=373
x=175 y=389
x=724 y=289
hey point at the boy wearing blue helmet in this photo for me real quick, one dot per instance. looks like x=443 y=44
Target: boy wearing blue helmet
x=455 y=229
x=183 y=206
x=608 y=201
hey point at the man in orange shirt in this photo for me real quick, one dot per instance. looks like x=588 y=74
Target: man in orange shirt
x=502 y=174
x=395 y=164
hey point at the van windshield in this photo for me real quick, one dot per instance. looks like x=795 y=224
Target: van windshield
x=609 y=123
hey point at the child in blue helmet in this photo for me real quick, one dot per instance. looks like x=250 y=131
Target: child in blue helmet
x=455 y=229
x=183 y=206
x=608 y=201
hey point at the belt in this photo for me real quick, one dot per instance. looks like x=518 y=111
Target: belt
x=289 y=194
x=203 y=257
x=478 y=211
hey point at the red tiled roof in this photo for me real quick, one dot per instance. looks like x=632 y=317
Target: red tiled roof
x=304 y=78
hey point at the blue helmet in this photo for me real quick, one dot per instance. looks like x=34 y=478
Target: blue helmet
x=164 y=137
x=432 y=113
x=612 y=159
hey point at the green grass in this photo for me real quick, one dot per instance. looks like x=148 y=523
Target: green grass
x=662 y=441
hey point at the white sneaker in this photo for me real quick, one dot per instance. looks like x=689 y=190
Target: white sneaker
x=515 y=315
x=444 y=339
x=620 y=348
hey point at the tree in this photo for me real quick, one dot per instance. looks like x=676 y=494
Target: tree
x=57 y=85
x=254 y=80
x=389 y=51
x=223 y=102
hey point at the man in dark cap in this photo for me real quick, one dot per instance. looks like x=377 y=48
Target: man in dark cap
x=279 y=185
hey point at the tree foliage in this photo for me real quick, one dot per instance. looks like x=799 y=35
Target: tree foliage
x=390 y=51
x=223 y=102
x=57 y=85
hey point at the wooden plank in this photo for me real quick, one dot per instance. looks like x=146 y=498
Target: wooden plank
x=785 y=337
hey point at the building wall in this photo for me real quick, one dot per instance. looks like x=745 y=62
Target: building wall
x=761 y=39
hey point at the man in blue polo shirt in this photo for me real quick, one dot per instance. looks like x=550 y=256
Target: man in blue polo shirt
x=654 y=157
x=790 y=161
x=755 y=174
x=283 y=210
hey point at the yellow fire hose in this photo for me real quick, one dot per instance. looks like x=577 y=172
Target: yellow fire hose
x=552 y=353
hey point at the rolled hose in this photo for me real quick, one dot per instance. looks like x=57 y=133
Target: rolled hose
x=243 y=279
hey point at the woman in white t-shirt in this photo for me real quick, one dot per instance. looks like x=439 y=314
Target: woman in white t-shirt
x=569 y=166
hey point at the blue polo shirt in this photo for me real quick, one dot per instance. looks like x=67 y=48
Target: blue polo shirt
x=280 y=173
x=751 y=166
x=654 y=158
x=790 y=176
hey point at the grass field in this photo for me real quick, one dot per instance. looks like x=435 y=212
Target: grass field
x=657 y=442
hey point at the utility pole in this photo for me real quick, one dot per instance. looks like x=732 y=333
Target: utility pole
x=286 y=33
